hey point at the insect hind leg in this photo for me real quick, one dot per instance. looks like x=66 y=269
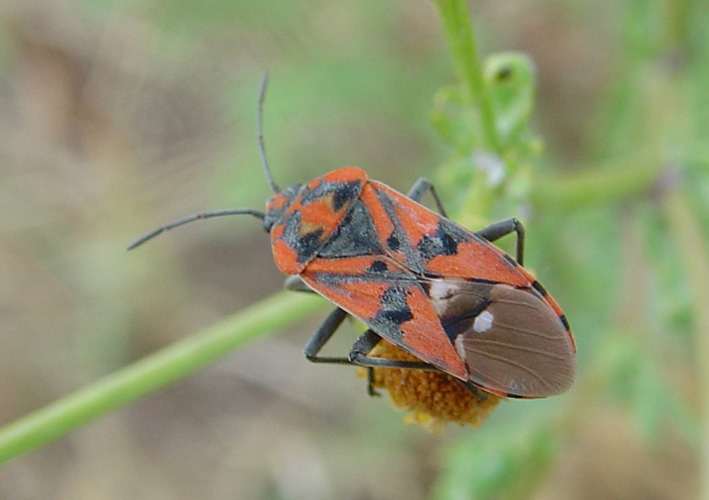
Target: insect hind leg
x=474 y=390
x=359 y=355
x=420 y=188
x=502 y=228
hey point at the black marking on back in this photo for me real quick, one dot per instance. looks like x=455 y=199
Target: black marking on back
x=565 y=322
x=342 y=193
x=393 y=242
x=354 y=236
x=306 y=245
x=511 y=260
x=444 y=241
x=378 y=266
x=397 y=240
x=345 y=192
x=394 y=312
x=539 y=288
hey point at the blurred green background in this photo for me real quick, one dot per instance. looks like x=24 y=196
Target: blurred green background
x=117 y=116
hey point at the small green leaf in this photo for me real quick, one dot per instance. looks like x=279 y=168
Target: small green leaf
x=510 y=78
x=453 y=120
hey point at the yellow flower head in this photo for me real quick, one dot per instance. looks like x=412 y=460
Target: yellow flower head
x=432 y=398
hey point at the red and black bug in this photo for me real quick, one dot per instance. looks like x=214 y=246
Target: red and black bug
x=415 y=278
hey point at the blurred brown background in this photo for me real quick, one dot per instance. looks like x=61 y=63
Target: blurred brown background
x=119 y=115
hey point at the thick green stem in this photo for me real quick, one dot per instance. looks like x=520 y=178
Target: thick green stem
x=152 y=372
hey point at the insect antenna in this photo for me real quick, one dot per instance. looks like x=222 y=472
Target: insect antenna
x=191 y=218
x=259 y=126
x=232 y=211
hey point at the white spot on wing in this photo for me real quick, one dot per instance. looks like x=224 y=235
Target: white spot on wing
x=440 y=292
x=483 y=322
x=442 y=289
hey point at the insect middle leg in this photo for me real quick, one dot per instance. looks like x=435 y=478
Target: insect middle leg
x=502 y=228
x=359 y=354
x=490 y=233
x=324 y=332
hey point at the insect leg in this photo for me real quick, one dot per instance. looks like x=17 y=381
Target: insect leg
x=295 y=284
x=322 y=335
x=367 y=342
x=359 y=355
x=370 y=382
x=472 y=389
x=503 y=228
x=420 y=188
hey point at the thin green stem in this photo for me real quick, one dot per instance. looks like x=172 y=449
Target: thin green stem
x=458 y=30
x=617 y=180
x=459 y=34
x=687 y=233
x=152 y=372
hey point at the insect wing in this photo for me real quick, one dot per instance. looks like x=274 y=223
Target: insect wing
x=391 y=301
x=512 y=342
x=428 y=243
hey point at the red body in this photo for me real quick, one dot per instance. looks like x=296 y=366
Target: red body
x=426 y=284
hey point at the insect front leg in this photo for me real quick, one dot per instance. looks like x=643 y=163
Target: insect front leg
x=420 y=188
x=503 y=228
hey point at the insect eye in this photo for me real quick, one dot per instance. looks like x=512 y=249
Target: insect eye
x=268 y=222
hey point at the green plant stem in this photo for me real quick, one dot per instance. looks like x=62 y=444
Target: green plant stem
x=458 y=30
x=459 y=34
x=691 y=244
x=153 y=372
x=612 y=182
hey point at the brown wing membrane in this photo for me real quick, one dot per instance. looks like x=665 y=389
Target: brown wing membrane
x=511 y=340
